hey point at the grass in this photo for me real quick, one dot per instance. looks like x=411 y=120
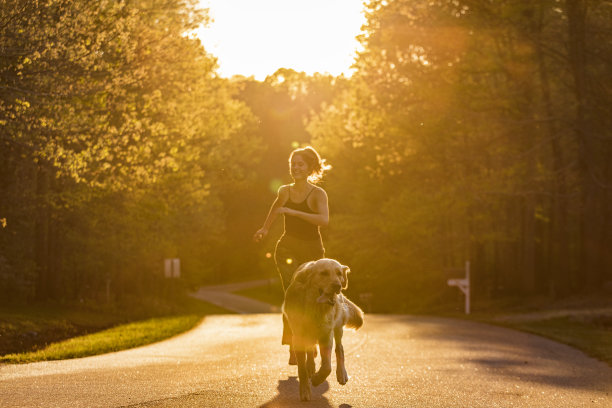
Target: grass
x=54 y=332
x=593 y=339
x=121 y=337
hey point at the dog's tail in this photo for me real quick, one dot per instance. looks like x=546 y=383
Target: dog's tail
x=355 y=315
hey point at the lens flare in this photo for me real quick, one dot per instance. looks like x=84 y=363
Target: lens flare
x=268 y=255
x=289 y=261
x=275 y=185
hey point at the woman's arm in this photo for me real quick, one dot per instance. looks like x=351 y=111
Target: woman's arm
x=321 y=215
x=279 y=202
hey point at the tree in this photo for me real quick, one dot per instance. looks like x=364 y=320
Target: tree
x=107 y=105
x=457 y=121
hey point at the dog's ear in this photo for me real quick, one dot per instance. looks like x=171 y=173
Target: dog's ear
x=303 y=272
x=345 y=271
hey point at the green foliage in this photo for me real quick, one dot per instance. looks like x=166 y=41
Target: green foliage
x=457 y=140
x=470 y=130
x=117 y=140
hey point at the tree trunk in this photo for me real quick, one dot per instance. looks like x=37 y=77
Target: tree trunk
x=527 y=245
x=607 y=228
x=576 y=14
x=41 y=231
x=558 y=254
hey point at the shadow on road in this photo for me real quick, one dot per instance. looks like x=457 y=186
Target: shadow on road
x=289 y=395
x=510 y=354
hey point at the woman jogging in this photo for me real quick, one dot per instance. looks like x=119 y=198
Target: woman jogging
x=305 y=209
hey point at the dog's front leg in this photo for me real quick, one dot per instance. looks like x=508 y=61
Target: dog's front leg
x=303 y=376
x=341 y=374
x=310 y=361
x=325 y=344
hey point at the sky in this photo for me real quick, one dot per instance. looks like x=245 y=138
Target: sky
x=256 y=37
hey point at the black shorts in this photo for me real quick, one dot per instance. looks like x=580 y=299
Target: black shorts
x=291 y=252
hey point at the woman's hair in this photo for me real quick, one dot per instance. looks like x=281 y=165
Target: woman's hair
x=315 y=163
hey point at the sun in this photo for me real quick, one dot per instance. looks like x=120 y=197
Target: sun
x=255 y=38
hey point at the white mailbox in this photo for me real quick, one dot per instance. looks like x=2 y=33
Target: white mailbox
x=464 y=285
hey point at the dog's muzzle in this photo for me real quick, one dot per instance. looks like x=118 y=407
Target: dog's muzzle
x=327 y=298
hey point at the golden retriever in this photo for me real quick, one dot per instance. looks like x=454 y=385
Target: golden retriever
x=317 y=313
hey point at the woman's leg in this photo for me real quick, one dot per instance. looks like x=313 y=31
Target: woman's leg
x=283 y=257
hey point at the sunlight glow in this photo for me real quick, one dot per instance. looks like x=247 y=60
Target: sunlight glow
x=275 y=185
x=255 y=38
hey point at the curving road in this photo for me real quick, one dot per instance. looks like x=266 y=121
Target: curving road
x=394 y=361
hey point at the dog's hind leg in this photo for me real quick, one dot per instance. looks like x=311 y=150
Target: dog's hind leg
x=341 y=374
x=325 y=347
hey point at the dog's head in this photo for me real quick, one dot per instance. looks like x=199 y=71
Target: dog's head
x=327 y=276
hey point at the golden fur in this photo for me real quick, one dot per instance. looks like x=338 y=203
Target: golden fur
x=317 y=313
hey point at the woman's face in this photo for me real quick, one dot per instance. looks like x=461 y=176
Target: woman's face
x=299 y=168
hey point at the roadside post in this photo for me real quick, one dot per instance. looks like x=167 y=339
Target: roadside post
x=172 y=267
x=463 y=285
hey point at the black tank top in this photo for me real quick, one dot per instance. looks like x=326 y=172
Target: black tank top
x=297 y=227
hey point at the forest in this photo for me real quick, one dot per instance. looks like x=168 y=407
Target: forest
x=470 y=130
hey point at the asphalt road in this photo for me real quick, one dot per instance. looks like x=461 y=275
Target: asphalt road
x=393 y=361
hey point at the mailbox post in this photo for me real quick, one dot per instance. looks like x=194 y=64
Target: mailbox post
x=464 y=286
